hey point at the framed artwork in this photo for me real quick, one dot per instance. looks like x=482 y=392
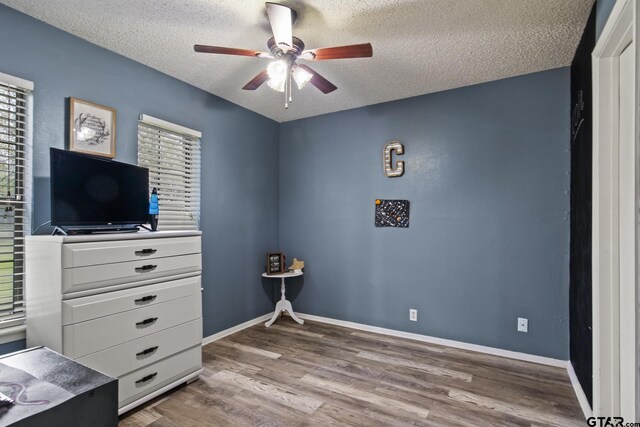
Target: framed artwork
x=92 y=128
x=275 y=263
x=392 y=213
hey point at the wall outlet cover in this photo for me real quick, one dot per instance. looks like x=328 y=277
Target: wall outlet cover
x=413 y=314
x=523 y=324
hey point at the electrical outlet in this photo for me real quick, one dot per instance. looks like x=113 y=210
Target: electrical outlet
x=413 y=314
x=523 y=324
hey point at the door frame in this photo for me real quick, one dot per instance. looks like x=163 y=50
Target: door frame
x=612 y=219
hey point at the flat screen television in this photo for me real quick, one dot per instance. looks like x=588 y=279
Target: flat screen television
x=93 y=191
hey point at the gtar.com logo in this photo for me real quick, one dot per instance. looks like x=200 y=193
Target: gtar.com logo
x=608 y=422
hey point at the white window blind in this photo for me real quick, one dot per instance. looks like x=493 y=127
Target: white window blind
x=14 y=218
x=172 y=155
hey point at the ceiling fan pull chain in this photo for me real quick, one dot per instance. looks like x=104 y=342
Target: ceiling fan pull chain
x=289 y=74
x=287 y=87
x=286 y=98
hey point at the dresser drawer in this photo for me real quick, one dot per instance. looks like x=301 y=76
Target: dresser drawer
x=150 y=378
x=84 y=338
x=124 y=358
x=92 y=307
x=96 y=276
x=95 y=253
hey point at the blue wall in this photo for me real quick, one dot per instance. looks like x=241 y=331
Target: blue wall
x=239 y=151
x=603 y=10
x=487 y=175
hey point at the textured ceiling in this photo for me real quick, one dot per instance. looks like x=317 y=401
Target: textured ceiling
x=419 y=46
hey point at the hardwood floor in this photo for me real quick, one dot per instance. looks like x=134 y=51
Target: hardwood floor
x=318 y=374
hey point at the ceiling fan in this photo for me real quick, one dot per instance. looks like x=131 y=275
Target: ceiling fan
x=285 y=51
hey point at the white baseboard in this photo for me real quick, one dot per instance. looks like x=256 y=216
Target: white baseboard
x=441 y=341
x=577 y=388
x=237 y=328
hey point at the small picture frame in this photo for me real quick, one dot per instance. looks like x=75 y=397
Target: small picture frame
x=275 y=263
x=392 y=213
x=92 y=128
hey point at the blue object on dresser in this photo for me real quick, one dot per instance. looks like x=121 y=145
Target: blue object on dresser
x=154 y=209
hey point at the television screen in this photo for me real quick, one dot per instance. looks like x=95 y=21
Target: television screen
x=89 y=190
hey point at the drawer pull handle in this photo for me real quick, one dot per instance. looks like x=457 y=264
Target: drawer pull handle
x=147 y=378
x=147 y=321
x=148 y=298
x=146 y=268
x=146 y=252
x=147 y=351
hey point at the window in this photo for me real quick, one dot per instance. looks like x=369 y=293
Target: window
x=15 y=107
x=172 y=155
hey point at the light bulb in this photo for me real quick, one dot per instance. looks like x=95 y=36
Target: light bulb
x=277 y=71
x=301 y=76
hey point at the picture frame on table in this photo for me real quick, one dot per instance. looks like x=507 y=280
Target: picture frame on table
x=92 y=128
x=275 y=263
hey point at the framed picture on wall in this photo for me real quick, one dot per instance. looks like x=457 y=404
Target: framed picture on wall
x=275 y=263
x=92 y=128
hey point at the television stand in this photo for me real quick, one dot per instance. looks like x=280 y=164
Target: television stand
x=74 y=231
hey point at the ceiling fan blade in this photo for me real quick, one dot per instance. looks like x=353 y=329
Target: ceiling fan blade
x=230 y=51
x=281 y=18
x=318 y=81
x=257 y=81
x=341 y=52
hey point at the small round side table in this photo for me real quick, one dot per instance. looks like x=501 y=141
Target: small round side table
x=283 y=304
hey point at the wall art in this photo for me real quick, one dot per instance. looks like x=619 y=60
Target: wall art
x=392 y=213
x=389 y=169
x=92 y=128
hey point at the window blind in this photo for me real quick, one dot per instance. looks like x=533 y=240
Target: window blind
x=172 y=155
x=14 y=223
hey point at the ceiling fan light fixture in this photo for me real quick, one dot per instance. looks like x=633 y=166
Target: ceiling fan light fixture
x=301 y=76
x=277 y=85
x=277 y=71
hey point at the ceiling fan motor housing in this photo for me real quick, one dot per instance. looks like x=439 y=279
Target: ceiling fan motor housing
x=277 y=52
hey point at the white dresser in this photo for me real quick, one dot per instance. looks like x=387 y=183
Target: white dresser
x=128 y=305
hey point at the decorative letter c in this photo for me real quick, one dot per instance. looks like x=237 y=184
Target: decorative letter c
x=399 y=167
